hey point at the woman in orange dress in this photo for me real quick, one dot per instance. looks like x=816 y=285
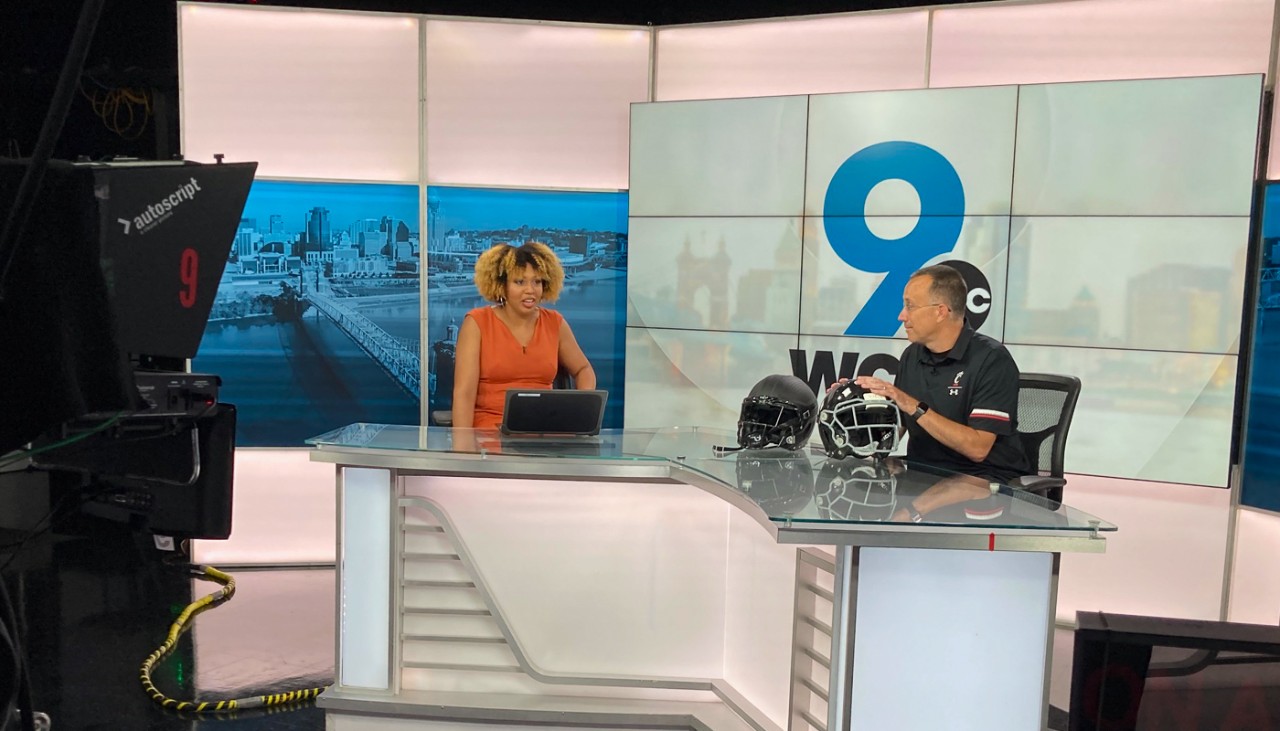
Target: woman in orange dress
x=516 y=342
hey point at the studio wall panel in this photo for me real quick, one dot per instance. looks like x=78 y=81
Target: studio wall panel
x=1172 y=147
x=698 y=378
x=270 y=483
x=1260 y=446
x=519 y=104
x=1037 y=42
x=317 y=321
x=307 y=94
x=735 y=157
x=1165 y=561
x=1127 y=282
x=952 y=147
x=1145 y=415
x=740 y=274
x=1255 y=575
x=803 y=56
x=1139 y=190
x=841 y=299
x=588 y=233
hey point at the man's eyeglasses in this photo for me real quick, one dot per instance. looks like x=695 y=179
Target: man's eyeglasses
x=912 y=308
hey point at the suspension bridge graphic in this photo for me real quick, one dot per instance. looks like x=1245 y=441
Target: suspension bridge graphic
x=399 y=357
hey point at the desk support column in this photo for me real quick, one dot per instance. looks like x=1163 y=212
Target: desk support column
x=366 y=552
x=843 y=605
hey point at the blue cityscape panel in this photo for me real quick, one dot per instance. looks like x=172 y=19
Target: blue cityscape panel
x=588 y=231
x=317 y=320
x=1260 y=483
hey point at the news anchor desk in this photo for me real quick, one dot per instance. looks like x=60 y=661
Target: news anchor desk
x=637 y=580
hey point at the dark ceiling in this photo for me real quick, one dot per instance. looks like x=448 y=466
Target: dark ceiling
x=135 y=48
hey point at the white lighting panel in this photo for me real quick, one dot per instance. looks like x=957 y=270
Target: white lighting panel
x=1145 y=415
x=533 y=105
x=836 y=294
x=1170 y=147
x=1167 y=558
x=1085 y=40
x=932 y=139
x=690 y=377
x=365 y=592
x=736 y=157
x=739 y=274
x=1128 y=282
x=307 y=94
x=840 y=53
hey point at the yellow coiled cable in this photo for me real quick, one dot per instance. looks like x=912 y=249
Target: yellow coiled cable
x=182 y=624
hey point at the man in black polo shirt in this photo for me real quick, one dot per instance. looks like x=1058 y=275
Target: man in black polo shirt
x=957 y=389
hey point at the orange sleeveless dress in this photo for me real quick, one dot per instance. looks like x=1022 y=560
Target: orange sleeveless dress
x=504 y=364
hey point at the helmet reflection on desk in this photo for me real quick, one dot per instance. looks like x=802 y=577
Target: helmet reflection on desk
x=781 y=482
x=779 y=412
x=855 y=490
x=855 y=423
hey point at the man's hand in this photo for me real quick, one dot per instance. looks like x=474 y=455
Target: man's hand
x=905 y=401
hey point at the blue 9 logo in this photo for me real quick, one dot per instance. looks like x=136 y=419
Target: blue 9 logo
x=936 y=231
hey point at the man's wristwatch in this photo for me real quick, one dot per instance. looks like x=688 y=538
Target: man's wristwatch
x=921 y=408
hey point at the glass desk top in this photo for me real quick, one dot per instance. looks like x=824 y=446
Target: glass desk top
x=798 y=487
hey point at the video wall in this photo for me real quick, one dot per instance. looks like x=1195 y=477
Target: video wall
x=1102 y=228
x=588 y=232
x=1260 y=453
x=316 y=322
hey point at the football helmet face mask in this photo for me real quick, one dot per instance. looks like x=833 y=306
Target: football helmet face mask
x=856 y=490
x=779 y=412
x=853 y=422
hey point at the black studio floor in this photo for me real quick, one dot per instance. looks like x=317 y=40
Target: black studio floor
x=95 y=608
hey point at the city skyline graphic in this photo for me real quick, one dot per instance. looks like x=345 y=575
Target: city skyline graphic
x=317 y=320
x=588 y=232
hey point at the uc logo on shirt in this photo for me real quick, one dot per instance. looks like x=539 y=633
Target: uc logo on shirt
x=936 y=232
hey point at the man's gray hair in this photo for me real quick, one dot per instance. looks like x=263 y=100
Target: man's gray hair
x=947 y=286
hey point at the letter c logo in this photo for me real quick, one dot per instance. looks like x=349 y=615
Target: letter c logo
x=978 y=302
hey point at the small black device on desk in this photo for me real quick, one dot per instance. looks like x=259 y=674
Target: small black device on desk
x=553 y=411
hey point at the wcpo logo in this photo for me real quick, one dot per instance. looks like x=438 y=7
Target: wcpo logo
x=157 y=212
x=822 y=372
x=936 y=232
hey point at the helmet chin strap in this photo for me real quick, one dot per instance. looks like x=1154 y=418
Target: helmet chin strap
x=721 y=451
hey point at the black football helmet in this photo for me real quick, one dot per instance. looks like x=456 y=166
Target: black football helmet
x=855 y=423
x=779 y=412
x=856 y=490
x=780 y=481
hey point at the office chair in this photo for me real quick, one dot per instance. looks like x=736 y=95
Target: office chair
x=444 y=417
x=1046 y=403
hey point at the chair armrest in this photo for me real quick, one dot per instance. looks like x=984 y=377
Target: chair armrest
x=1039 y=484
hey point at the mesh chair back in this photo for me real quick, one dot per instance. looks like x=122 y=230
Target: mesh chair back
x=1046 y=403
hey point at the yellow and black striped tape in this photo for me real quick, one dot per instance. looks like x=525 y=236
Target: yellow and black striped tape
x=181 y=625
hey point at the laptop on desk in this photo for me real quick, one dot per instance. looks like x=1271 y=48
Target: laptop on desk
x=540 y=413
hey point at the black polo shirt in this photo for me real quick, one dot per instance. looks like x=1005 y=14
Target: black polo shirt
x=975 y=384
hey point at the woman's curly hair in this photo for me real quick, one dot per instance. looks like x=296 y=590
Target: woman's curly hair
x=494 y=266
